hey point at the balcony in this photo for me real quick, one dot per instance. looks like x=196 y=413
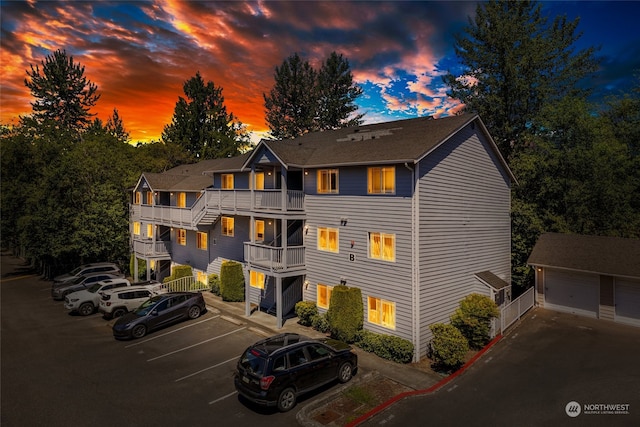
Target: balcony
x=150 y=248
x=274 y=259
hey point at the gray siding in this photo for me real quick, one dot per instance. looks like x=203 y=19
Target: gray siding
x=464 y=225
x=390 y=281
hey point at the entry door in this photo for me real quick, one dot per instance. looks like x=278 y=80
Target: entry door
x=627 y=301
x=572 y=292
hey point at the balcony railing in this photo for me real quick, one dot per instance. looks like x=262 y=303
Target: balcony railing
x=151 y=248
x=274 y=259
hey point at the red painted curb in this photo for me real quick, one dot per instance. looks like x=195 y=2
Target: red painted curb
x=431 y=389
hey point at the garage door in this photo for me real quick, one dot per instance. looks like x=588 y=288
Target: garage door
x=576 y=293
x=627 y=300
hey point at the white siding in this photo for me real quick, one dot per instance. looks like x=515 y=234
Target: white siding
x=464 y=225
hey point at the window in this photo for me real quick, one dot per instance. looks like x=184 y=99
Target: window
x=181 y=236
x=227 y=226
x=328 y=181
x=259 y=181
x=381 y=312
x=259 y=230
x=381 y=180
x=137 y=198
x=136 y=228
x=256 y=279
x=181 y=200
x=150 y=231
x=201 y=240
x=328 y=239
x=324 y=295
x=149 y=198
x=382 y=246
x=201 y=277
x=227 y=181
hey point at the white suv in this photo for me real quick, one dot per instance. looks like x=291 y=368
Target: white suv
x=86 y=301
x=118 y=302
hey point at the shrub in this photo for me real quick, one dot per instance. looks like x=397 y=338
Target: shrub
x=473 y=319
x=320 y=323
x=345 y=314
x=448 y=346
x=142 y=268
x=305 y=310
x=214 y=284
x=388 y=347
x=231 y=281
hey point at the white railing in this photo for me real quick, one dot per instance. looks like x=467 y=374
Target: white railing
x=274 y=258
x=149 y=247
x=185 y=284
x=513 y=311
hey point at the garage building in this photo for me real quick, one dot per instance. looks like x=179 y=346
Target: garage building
x=591 y=276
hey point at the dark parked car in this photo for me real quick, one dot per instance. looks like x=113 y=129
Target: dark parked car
x=274 y=371
x=157 y=312
x=87 y=269
x=60 y=290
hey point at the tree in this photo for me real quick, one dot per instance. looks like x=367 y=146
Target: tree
x=201 y=124
x=473 y=319
x=305 y=100
x=292 y=102
x=514 y=63
x=115 y=127
x=62 y=92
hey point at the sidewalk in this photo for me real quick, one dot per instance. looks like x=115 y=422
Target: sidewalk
x=383 y=378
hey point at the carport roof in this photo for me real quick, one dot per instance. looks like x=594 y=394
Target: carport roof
x=615 y=256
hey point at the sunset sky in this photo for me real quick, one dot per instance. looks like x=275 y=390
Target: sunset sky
x=139 y=53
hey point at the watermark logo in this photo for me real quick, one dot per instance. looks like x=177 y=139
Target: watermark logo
x=573 y=409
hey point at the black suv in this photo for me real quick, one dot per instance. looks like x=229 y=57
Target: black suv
x=275 y=370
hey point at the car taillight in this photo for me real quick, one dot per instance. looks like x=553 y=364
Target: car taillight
x=265 y=382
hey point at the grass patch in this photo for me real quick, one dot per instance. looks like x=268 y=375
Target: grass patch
x=360 y=395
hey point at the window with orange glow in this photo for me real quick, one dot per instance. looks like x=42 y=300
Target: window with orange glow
x=324 y=295
x=328 y=239
x=381 y=312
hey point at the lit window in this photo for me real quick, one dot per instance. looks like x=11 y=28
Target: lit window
x=150 y=231
x=182 y=237
x=259 y=230
x=382 y=246
x=149 y=198
x=136 y=228
x=328 y=181
x=324 y=295
x=381 y=312
x=256 y=279
x=259 y=181
x=201 y=240
x=227 y=181
x=182 y=200
x=382 y=180
x=328 y=239
x=137 y=198
x=227 y=226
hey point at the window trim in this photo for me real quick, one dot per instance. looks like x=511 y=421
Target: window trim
x=320 y=181
x=380 y=312
x=150 y=229
x=225 y=230
x=328 y=289
x=181 y=236
x=327 y=248
x=383 y=236
x=223 y=181
x=181 y=199
x=136 y=228
x=256 y=279
x=256 y=230
x=381 y=184
x=202 y=240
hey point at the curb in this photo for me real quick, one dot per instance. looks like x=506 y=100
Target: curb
x=431 y=389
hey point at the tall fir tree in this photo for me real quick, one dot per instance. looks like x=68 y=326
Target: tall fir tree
x=337 y=94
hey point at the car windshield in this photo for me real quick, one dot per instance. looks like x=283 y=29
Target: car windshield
x=94 y=288
x=79 y=280
x=75 y=271
x=147 y=306
x=253 y=362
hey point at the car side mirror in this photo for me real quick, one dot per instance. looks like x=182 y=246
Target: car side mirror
x=154 y=312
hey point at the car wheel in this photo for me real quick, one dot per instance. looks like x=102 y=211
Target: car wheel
x=194 y=312
x=86 y=309
x=287 y=399
x=345 y=372
x=118 y=312
x=139 y=331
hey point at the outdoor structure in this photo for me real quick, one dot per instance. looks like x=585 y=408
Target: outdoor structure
x=591 y=276
x=415 y=213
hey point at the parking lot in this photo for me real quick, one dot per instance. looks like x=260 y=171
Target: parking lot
x=61 y=369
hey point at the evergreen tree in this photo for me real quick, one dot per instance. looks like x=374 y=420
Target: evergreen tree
x=201 y=124
x=514 y=63
x=337 y=94
x=62 y=92
x=115 y=127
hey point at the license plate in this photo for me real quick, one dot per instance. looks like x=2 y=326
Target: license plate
x=245 y=379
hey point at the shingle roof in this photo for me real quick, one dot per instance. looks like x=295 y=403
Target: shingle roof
x=492 y=280
x=597 y=254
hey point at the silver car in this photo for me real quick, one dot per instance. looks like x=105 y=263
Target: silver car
x=87 y=269
x=60 y=290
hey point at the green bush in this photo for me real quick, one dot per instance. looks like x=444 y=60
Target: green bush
x=305 y=310
x=448 y=347
x=178 y=272
x=320 y=323
x=473 y=319
x=231 y=281
x=388 y=347
x=345 y=314
x=214 y=284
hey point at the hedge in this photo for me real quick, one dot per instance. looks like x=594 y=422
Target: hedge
x=473 y=319
x=388 y=347
x=231 y=281
x=345 y=313
x=448 y=347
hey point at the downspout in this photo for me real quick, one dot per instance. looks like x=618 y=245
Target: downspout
x=415 y=272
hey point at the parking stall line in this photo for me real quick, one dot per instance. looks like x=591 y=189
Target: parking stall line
x=223 y=397
x=11 y=279
x=170 y=332
x=195 y=345
x=206 y=369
